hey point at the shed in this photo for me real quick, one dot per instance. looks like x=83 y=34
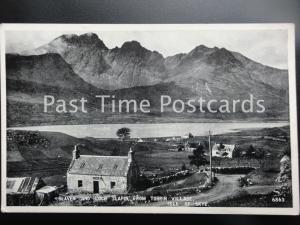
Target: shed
x=21 y=190
x=46 y=194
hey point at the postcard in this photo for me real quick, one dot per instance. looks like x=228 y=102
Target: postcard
x=149 y=118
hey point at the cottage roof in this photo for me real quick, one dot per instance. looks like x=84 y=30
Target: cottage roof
x=47 y=189
x=99 y=165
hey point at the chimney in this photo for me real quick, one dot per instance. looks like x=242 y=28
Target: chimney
x=130 y=156
x=76 y=153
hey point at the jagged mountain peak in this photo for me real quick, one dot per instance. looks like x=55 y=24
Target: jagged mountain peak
x=223 y=51
x=136 y=50
x=87 y=39
x=133 y=46
x=199 y=51
x=201 y=48
x=210 y=56
x=134 y=65
x=221 y=57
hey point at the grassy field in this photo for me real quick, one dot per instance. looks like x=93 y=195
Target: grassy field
x=48 y=154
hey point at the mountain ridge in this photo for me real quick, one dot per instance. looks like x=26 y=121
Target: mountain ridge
x=134 y=65
x=75 y=66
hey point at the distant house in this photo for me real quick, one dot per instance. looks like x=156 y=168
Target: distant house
x=186 y=136
x=21 y=190
x=173 y=148
x=190 y=147
x=102 y=174
x=140 y=140
x=222 y=150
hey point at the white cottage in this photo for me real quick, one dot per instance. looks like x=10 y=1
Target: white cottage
x=222 y=150
x=102 y=174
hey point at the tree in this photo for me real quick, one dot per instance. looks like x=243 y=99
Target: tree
x=287 y=150
x=180 y=147
x=115 y=152
x=260 y=155
x=123 y=133
x=225 y=154
x=191 y=135
x=222 y=146
x=250 y=152
x=198 y=158
x=237 y=153
x=194 y=145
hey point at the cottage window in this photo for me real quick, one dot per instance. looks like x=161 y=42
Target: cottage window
x=79 y=183
x=112 y=184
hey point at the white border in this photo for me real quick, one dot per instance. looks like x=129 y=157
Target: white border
x=173 y=210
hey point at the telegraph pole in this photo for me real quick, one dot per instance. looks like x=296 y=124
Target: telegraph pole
x=210 y=157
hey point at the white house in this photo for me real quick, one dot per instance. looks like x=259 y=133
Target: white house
x=140 y=140
x=223 y=150
x=186 y=136
x=102 y=174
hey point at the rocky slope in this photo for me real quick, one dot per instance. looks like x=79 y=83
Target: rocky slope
x=219 y=72
x=128 y=66
x=133 y=65
x=77 y=65
x=47 y=69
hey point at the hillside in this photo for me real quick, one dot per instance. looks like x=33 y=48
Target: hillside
x=49 y=153
x=134 y=65
x=128 y=66
x=76 y=66
x=48 y=69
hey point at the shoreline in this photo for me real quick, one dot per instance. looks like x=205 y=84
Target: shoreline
x=149 y=131
x=177 y=122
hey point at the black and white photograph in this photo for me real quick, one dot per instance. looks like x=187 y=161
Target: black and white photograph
x=165 y=118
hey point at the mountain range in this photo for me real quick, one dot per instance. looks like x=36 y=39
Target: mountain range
x=133 y=65
x=82 y=64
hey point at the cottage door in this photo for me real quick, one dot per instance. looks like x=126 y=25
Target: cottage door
x=96 y=186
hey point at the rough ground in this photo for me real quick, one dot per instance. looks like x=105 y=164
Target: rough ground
x=226 y=187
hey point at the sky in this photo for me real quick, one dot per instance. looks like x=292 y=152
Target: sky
x=268 y=47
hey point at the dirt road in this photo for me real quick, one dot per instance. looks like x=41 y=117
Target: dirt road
x=226 y=186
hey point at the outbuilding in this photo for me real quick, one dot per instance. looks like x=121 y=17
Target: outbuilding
x=21 y=190
x=46 y=194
